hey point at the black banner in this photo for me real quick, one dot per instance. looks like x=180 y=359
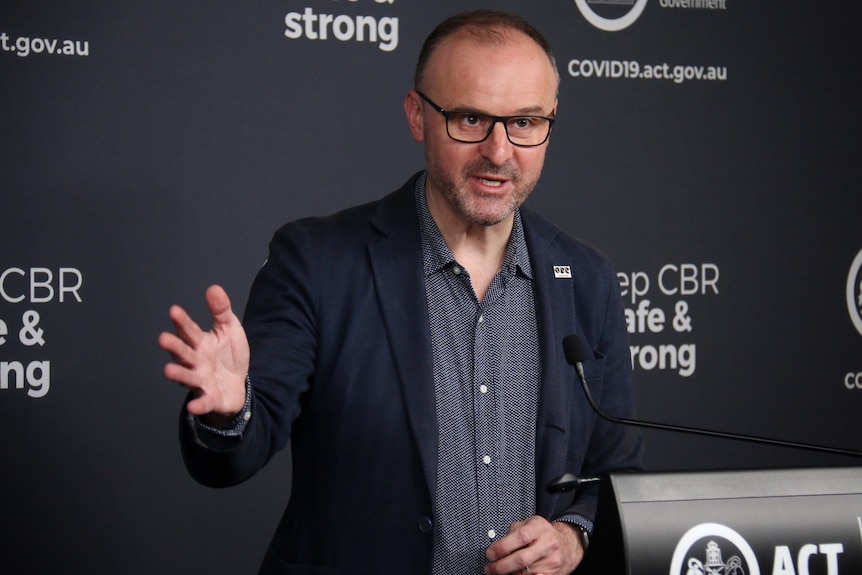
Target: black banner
x=710 y=147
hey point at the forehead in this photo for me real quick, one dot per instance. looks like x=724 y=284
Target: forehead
x=508 y=69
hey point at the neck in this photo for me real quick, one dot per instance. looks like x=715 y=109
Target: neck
x=480 y=249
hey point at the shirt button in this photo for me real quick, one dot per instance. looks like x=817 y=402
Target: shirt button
x=486 y=460
x=483 y=388
x=456 y=270
x=481 y=319
x=491 y=533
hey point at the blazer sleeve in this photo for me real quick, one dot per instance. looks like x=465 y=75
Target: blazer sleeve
x=280 y=323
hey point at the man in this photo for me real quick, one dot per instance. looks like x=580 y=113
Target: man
x=424 y=389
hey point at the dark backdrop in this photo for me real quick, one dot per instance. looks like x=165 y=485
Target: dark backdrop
x=149 y=151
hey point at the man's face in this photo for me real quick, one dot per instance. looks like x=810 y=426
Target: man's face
x=482 y=183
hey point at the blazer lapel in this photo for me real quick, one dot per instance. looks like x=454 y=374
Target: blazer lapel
x=396 y=263
x=554 y=308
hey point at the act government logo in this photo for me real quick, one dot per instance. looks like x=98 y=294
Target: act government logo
x=611 y=15
x=713 y=548
x=854 y=292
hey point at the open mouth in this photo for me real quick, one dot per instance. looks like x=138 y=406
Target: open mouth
x=492 y=183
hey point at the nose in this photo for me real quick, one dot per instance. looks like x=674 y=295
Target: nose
x=496 y=147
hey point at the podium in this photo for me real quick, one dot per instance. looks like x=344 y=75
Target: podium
x=764 y=522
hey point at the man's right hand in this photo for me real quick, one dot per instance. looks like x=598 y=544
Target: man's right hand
x=212 y=364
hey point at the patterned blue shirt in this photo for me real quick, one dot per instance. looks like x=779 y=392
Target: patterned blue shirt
x=486 y=378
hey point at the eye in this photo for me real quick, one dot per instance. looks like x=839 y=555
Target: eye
x=524 y=123
x=470 y=121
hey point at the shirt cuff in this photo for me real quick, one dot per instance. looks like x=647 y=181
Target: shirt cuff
x=581 y=523
x=233 y=430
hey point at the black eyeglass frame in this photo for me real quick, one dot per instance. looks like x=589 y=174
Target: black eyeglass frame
x=494 y=119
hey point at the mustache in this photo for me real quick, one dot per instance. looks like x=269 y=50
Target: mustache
x=508 y=171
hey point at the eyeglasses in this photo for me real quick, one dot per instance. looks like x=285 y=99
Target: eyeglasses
x=472 y=127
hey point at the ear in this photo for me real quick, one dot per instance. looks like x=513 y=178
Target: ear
x=415 y=117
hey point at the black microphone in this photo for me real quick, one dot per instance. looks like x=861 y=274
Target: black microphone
x=569 y=482
x=577 y=353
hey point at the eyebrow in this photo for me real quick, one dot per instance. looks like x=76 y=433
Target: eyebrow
x=529 y=111
x=536 y=110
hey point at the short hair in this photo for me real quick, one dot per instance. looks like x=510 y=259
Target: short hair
x=485 y=26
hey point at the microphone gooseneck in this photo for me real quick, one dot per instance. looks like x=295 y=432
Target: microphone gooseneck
x=576 y=353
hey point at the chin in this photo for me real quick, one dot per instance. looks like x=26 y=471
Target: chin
x=490 y=217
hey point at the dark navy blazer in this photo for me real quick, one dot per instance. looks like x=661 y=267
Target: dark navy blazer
x=341 y=366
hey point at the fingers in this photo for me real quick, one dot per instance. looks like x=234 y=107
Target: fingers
x=183 y=375
x=535 y=544
x=213 y=363
x=186 y=328
x=179 y=350
x=219 y=307
x=512 y=553
x=519 y=537
x=183 y=346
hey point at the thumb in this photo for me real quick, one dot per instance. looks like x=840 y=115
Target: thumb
x=219 y=305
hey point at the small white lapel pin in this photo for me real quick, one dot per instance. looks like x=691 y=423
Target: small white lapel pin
x=562 y=272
